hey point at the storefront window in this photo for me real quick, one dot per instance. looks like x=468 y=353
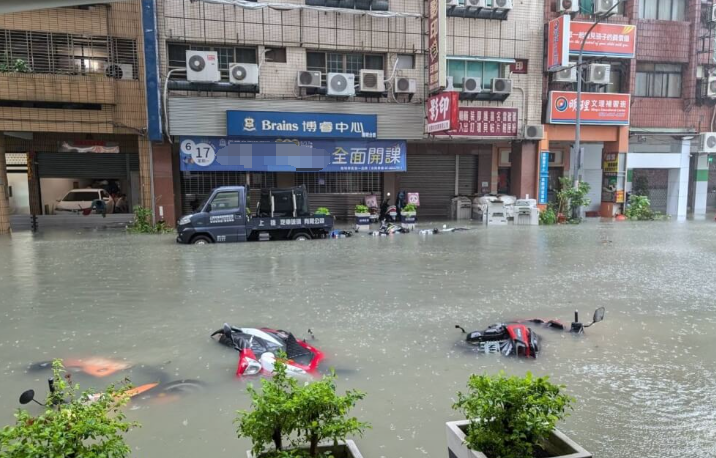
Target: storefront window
x=464 y=68
x=658 y=80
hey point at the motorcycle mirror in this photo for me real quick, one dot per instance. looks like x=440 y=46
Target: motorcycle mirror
x=598 y=315
x=27 y=397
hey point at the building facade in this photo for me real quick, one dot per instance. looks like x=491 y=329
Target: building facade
x=384 y=45
x=72 y=105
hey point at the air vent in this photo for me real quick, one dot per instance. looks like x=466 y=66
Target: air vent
x=707 y=142
x=309 y=79
x=341 y=84
x=501 y=86
x=372 y=81
x=406 y=86
x=534 y=132
x=471 y=85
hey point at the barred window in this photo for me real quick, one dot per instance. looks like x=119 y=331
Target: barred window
x=176 y=55
x=340 y=183
x=330 y=62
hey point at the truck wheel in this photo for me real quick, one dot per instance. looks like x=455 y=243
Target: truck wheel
x=302 y=236
x=201 y=240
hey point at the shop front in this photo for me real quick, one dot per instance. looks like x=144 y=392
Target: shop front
x=338 y=157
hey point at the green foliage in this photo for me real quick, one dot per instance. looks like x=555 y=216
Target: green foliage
x=286 y=410
x=75 y=424
x=641 y=186
x=360 y=208
x=570 y=200
x=323 y=211
x=16 y=66
x=548 y=216
x=410 y=208
x=639 y=208
x=142 y=223
x=510 y=416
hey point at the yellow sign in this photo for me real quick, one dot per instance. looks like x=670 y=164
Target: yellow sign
x=620 y=197
x=610 y=163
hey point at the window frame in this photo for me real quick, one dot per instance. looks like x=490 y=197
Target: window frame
x=468 y=73
x=676 y=10
x=344 y=57
x=224 y=58
x=663 y=77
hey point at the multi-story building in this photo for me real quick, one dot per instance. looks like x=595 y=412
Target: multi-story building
x=666 y=76
x=347 y=63
x=72 y=104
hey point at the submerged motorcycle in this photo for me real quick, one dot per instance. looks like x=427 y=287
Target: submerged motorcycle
x=387 y=229
x=517 y=339
x=258 y=347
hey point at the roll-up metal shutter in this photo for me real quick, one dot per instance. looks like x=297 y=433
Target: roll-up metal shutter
x=341 y=206
x=467 y=184
x=433 y=176
x=86 y=165
x=196 y=186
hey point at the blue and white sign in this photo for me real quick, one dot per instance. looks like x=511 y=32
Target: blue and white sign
x=283 y=155
x=300 y=125
x=543 y=178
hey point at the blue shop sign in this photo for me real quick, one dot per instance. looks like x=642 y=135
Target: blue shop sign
x=543 y=178
x=284 y=155
x=271 y=124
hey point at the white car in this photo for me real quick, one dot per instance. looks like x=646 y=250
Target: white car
x=78 y=200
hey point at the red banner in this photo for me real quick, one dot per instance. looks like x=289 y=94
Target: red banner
x=596 y=108
x=485 y=122
x=436 y=45
x=442 y=110
x=612 y=40
x=557 y=43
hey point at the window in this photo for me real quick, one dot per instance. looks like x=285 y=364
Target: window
x=587 y=7
x=340 y=183
x=664 y=10
x=277 y=55
x=328 y=62
x=406 y=62
x=228 y=200
x=658 y=80
x=463 y=68
x=176 y=55
x=64 y=53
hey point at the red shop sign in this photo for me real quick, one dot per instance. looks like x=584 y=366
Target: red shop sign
x=442 y=111
x=485 y=122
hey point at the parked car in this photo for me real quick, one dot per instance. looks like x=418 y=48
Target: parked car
x=80 y=199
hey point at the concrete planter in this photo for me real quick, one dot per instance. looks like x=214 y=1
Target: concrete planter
x=347 y=449
x=557 y=445
x=362 y=222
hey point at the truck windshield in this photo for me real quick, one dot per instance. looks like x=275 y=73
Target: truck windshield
x=225 y=200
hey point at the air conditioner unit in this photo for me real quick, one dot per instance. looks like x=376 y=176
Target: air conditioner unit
x=711 y=86
x=568 y=6
x=598 y=73
x=476 y=3
x=567 y=75
x=713 y=14
x=471 y=85
x=534 y=132
x=501 y=86
x=308 y=79
x=406 y=86
x=119 y=71
x=603 y=6
x=449 y=84
x=244 y=74
x=707 y=142
x=502 y=4
x=372 y=81
x=202 y=67
x=341 y=84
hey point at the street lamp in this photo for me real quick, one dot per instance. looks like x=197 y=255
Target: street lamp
x=578 y=124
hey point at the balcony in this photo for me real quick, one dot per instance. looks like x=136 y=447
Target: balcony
x=39 y=87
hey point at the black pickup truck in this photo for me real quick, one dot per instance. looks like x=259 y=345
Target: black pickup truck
x=225 y=216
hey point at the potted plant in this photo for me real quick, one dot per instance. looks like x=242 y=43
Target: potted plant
x=571 y=199
x=323 y=211
x=74 y=424
x=408 y=216
x=511 y=417
x=292 y=419
x=362 y=214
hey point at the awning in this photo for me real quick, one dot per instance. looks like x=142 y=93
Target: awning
x=502 y=60
x=661 y=131
x=15 y=6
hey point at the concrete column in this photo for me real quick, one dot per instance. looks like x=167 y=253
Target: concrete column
x=164 y=208
x=678 y=190
x=4 y=199
x=145 y=176
x=524 y=169
x=701 y=191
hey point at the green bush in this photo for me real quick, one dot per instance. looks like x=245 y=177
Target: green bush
x=142 y=223
x=410 y=208
x=323 y=211
x=299 y=414
x=360 y=208
x=16 y=66
x=510 y=416
x=570 y=200
x=548 y=216
x=639 y=208
x=74 y=425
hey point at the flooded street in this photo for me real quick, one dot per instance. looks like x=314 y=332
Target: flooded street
x=384 y=311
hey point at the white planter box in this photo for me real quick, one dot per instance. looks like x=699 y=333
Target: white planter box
x=408 y=220
x=362 y=222
x=558 y=445
x=347 y=449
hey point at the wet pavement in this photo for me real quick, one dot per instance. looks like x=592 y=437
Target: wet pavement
x=384 y=311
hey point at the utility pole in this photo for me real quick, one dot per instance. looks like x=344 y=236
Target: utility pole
x=578 y=123
x=4 y=199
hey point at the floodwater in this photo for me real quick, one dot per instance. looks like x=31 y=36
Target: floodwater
x=383 y=310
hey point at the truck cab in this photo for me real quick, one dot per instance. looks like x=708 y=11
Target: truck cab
x=225 y=217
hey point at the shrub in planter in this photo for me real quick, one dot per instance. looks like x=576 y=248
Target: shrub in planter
x=301 y=416
x=362 y=214
x=548 y=216
x=142 y=223
x=639 y=208
x=510 y=417
x=362 y=209
x=74 y=424
x=323 y=211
